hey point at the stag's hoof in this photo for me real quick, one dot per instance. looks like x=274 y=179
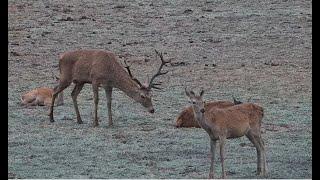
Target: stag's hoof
x=51 y=117
x=79 y=121
x=211 y=176
x=261 y=174
x=224 y=176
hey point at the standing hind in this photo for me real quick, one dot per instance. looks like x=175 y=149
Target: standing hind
x=232 y=122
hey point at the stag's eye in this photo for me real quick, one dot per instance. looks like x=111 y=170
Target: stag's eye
x=193 y=102
x=142 y=96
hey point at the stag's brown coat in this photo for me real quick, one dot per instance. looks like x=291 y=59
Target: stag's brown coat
x=101 y=69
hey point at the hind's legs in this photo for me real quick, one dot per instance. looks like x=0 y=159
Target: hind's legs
x=255 y=139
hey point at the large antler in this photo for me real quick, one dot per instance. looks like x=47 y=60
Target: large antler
x=130 y=74
x=163 y=62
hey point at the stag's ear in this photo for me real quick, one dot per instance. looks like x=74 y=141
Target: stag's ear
x=201 y=92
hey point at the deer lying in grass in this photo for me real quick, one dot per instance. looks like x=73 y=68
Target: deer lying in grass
x=186 y=117
x=102 y=69
x=232 y=122
x=41 y=97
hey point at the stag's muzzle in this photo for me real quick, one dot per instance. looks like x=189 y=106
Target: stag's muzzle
x=151 y=110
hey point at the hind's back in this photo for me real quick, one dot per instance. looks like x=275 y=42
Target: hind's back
x=186 y=117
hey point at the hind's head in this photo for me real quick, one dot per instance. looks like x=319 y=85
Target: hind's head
x=196 y=101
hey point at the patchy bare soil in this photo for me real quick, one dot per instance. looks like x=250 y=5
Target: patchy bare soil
x=248 y=49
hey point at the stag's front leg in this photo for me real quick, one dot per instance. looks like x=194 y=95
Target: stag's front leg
x=213 y=150
x=109 y=99
x=95 y=88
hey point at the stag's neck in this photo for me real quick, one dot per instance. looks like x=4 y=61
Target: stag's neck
x=128 y=86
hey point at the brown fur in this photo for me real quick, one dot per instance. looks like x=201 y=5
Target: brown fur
x=186 y=117
x=101 y=69
x=235 y=121
x=227 y=123
x=40 y=97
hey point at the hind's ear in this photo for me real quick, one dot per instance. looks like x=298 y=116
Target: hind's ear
x=201 y=92
x=187 y=92
x=192 y=93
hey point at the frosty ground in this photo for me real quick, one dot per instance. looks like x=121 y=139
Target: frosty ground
x=257 y=50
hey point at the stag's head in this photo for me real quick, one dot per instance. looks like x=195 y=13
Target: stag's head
x=196 y=102
x=145 y=89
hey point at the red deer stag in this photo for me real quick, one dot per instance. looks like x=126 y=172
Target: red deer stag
x=102 y=69
x=232 y=122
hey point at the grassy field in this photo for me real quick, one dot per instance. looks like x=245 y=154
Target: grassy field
x=247 y=49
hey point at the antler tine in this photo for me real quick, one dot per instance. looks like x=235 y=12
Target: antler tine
x=128 y=68
x=130 y=74
x=159 y=73
x=161 y=56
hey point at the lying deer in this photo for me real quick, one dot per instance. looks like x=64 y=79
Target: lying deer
x=102 y=69
x=232 y=122
x=41 y=97
x=186 y=117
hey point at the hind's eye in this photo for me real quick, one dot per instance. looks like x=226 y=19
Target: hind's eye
x=142 y=96
x=193 y=102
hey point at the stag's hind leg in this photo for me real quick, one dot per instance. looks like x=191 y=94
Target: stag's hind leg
x=109 y=98
x=62 y=85
x=74 y=94
x=95 y=88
